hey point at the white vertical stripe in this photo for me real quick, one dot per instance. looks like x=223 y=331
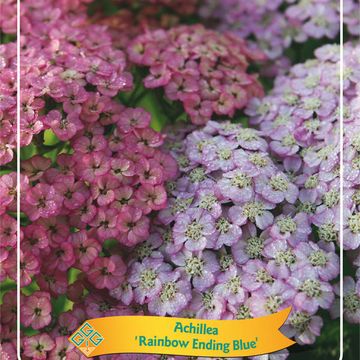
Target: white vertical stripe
x=341 y=234
x=18 y=180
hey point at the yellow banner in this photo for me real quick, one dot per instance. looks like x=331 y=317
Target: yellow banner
x=178 y=336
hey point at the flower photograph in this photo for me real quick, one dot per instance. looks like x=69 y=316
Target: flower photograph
x=194 y=159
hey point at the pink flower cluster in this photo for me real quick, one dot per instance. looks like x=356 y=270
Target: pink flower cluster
x=109 y=184
x=7 y=102
x=8 y=189
x=276 y=24
x=223 y=248
x=204 y=70
x=300 y=119
x=135 y=17
x=84 y=207
x=77 y=71
x=8 y=16
x=8 y=80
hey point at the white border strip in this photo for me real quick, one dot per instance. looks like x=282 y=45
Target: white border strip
x=18 y=169
x=341 y=230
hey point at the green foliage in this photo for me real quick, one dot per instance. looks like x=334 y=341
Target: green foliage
x=73 y=275
x=7 y=38
x=50 y=139
x=27 y=152
x=109 y=7
x=61 y=304
x=5 y=286
x=31 y=288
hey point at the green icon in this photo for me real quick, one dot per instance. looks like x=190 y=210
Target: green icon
x=86 y=339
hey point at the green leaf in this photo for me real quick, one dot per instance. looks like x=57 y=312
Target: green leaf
x=6 y=286
x=6 y=171
x=50 y=138
x=73 y=275
x=110 y=244
x=61 y=304
x=30 y=289
x=27 y=152
x=29 y=331
x=6 y=38
x=151 y=104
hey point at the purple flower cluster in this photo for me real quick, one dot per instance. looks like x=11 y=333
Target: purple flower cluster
x=275 y=25
x=351 y=17
x=300 y=119
x=231 y=244
x=352 y=150
x=203 y=69
x=352 y=180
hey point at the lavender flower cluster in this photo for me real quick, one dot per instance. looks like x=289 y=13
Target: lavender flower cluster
x=300 y=120
x=275 y=25
x=203 y=69
x=352 y=183
x=231 y=244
